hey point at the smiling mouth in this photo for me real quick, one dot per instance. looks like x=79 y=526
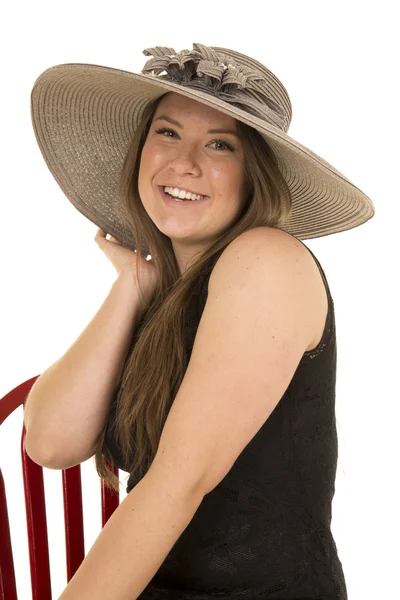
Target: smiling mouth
x=180 y=201
x=164 y=188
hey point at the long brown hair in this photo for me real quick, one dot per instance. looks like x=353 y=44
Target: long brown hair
x=156 y=364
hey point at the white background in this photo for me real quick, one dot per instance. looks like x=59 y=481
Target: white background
x=339 y=63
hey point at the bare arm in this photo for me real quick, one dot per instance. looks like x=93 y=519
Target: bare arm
x=136 y=539
x=68 y=404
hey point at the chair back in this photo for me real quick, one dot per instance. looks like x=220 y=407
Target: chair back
x=35 y=509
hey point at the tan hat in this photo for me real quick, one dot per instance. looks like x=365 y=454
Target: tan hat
x=85 y=116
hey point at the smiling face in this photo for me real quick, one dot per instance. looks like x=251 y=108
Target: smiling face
x=181 y=151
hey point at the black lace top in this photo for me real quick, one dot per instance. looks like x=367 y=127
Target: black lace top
x=264 y=531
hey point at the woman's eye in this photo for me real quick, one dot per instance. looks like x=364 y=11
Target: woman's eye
x=227 y=146
x=164 y=130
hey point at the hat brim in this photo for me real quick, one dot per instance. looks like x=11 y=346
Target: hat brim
x=84 y=117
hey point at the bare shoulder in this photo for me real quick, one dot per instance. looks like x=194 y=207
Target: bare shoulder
x=272 y=242
x=269 y=255
x=264 y=246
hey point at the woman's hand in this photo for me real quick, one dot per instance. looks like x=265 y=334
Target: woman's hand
x=124 y=260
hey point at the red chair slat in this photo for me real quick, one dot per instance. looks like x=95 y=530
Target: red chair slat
x=8 y=589
x=109 y=498
x=37 y=525
x=73 y=516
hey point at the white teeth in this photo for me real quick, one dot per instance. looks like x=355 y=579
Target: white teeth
x=181 y=194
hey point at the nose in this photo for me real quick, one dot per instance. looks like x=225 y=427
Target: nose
x=185 y=160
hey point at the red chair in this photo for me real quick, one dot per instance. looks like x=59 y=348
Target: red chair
x=36 y=514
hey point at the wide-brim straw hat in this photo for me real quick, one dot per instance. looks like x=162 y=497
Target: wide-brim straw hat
x=84 y=117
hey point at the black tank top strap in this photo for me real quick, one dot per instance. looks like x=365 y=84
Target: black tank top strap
x=330 y=327
x=319 y=267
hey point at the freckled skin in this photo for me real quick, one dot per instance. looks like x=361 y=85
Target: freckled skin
x=197 y=160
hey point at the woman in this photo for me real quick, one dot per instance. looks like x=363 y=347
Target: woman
x=223 y=410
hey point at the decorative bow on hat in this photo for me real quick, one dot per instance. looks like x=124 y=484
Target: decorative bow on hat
x=215 y=73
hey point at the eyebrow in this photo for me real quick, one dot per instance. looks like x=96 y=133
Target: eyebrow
x=177 y=124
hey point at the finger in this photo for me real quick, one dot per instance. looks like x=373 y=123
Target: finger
x=100 y=236
x=99 y=232
x=111 y=238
